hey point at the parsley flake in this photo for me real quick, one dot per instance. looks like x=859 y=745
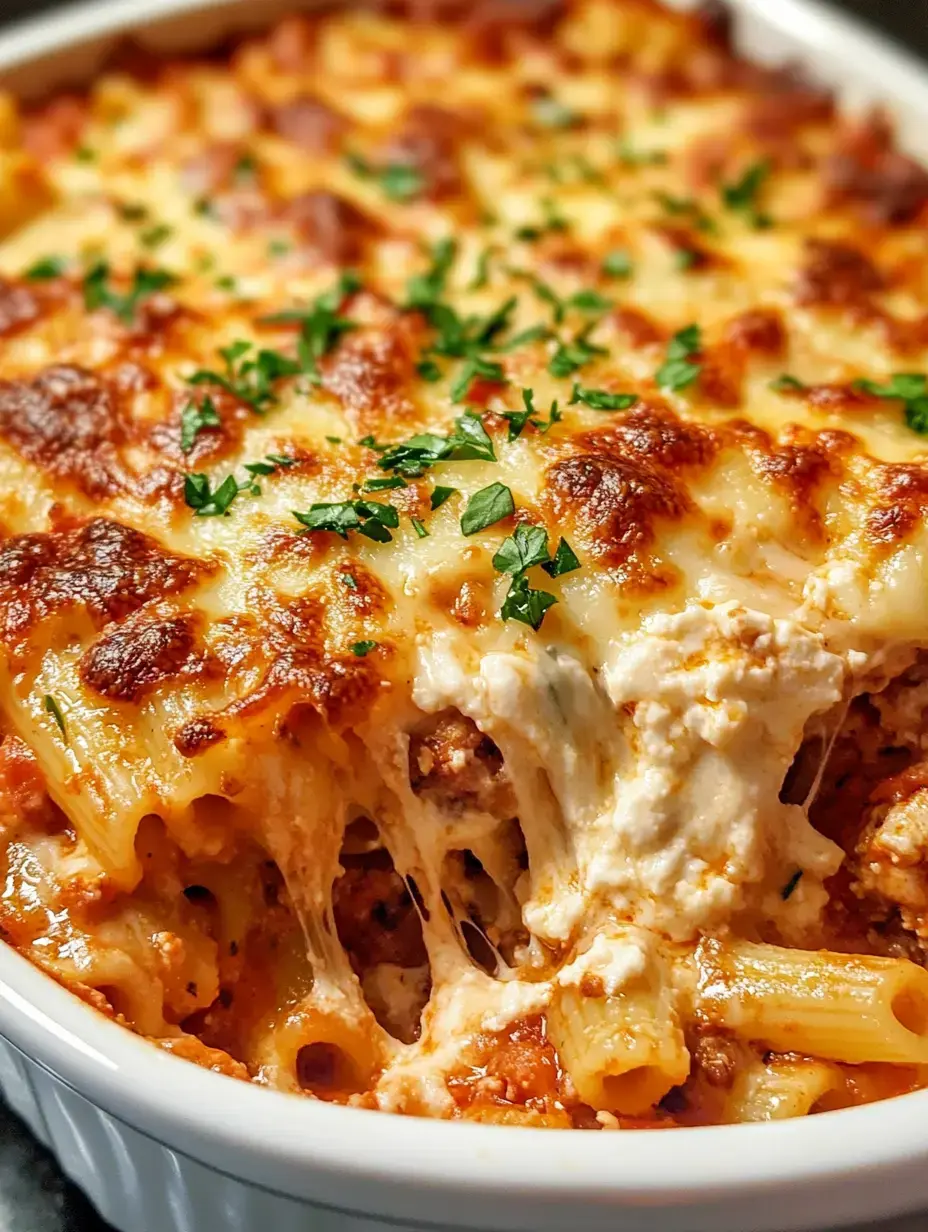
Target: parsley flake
x=360 y=649
x=679 y=371
x=440 y=495
x=487 y=507
x=98 y=292
x=321 y=325
x=419 y=528
x=787 y=384
x=194 y=418
x=424 y=289
x=910 y=388
x=550 y=113
x=741 y=196
x=686 y=207
x=601 y=399
x=617 y=264
x=52 y=708
x=526 y=605
x=46 y=269
x=414 y=457
x=249 y=379
x=397 y=181
x=571 y=356
x=368 y=518
x=154 y=237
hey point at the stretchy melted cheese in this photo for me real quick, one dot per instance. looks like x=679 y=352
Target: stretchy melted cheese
x=452 y=468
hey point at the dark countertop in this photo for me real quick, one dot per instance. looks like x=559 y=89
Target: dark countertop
x=33 y=1195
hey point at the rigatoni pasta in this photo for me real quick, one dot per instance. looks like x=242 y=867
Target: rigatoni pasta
x=463 y=566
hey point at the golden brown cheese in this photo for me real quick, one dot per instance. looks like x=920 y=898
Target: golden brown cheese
x=461 y=273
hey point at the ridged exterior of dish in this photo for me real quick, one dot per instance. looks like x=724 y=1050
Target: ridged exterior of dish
x=140 y=1185
x=159 y=1146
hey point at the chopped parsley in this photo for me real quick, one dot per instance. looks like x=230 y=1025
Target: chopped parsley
x=194 y=418
x=526 y=605
x=563 y=561
x=482 y=271
x=518 y=419
x=414 y=457
x=679 y=369
x=249 y=378
x=553 y=220
x=476 y=367
x=571 y=356
x=245 y=170
x=910 y=388
x=440 y=495
x=132 y=211
x=52 y=708
x=601 y=399
x=398 y=181
x=419 y=528
x=368 y=518
x=487 y=507
x=99 y=293
x=84 y=154
x=786 y=384
x=279 y=248
x=741 y=196
x=686 y=207
x=469 y=339
x=425 y=289
x=384 y=483
x=787 y=890
x=154 y=237
x=617 y=264
x=321 y=324
x=526 y=547
x=209 y=502
x=360 y=649
x=629 y=156
x=550 y=113
x=429 y=370
x=46 y=269
x=349 y=580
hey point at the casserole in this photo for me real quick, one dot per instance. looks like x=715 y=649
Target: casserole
x=569 y=1156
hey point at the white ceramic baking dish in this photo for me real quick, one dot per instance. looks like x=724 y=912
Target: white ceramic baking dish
x=161 y=1146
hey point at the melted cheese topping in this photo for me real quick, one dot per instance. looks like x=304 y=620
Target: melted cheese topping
x=676 y=230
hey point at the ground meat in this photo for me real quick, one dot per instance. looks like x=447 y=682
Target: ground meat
x=453 y=764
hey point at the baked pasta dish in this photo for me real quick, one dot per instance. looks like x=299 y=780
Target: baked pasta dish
x=464 y=566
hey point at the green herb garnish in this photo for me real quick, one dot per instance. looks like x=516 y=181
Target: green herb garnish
x=440 y=495
x=678 y=370
x=398 y=181
x=786 y=384
x=46 y=269
x=601 y=399
x=321 y=324
x=741 y=196
x=617 y=264
x=154 y=237
x=249 y=379
x=368 y=518
x=99 y=293
x=194 y=418
x=487 y=507
x=910 y=388
x=571 y=356
x=54 y=710
x=360 y=649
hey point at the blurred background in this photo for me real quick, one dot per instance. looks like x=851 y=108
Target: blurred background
x=33 y=1195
